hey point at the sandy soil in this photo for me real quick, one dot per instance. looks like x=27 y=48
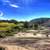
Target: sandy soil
x=15 y=47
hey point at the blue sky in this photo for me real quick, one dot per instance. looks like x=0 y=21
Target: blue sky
x=24 y=10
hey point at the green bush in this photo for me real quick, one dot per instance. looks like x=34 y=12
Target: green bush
x=9 y=34
x=35 y=26
x=2 y=35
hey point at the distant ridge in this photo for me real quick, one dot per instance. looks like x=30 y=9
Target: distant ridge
x=41 y=21
x=9 y=21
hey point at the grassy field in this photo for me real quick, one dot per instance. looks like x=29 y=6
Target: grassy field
x=6 y=26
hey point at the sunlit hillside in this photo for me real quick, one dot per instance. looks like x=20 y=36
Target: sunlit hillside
x=4 y=26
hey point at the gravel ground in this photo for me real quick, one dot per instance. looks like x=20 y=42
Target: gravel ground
x=31 y=43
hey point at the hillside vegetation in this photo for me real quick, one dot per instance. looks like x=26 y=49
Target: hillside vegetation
x=4 y=26
x=6 y=29
x=10 y=27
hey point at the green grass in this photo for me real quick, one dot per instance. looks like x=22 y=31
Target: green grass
x=6 y=29
x=6 y=26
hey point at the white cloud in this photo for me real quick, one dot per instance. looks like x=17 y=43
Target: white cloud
x=6 y=1
x=1 y=13
x=13 y=5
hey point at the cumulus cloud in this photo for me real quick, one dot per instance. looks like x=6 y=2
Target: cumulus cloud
x=13 y=5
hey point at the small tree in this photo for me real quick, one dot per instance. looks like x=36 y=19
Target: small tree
x=2 y=34
x=35 y=26
x=25 y=24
